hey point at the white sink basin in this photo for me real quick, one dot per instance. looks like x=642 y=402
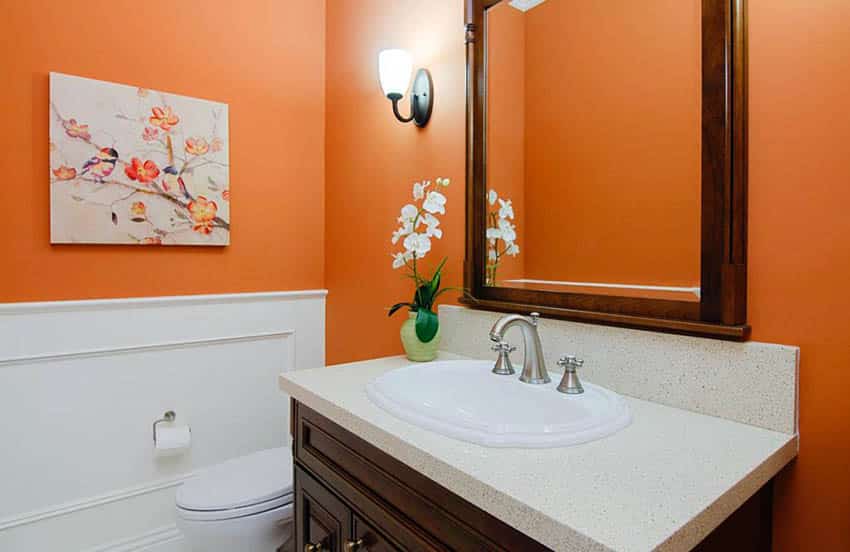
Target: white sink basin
x=464 y=400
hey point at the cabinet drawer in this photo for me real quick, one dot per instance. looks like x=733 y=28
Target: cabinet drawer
x=322 y=520
x=410 y=509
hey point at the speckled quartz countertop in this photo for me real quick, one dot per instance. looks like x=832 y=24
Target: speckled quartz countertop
x=663 y=483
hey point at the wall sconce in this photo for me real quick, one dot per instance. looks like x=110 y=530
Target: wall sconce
x=394 y=68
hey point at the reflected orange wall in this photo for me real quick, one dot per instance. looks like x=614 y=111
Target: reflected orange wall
x=799 y=228
x=265 y=59
x=613 y=141
x=373 y=160
x=506 y=125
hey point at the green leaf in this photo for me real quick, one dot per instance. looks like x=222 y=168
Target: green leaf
x=427 y=325
x=397 y=306
x=423 y=296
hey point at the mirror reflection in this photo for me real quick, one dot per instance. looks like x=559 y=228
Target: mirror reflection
x=593 y=157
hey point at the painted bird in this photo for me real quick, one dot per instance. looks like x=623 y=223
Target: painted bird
x=102 y=164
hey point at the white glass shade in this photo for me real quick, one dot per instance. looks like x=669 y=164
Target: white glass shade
x=394 y=69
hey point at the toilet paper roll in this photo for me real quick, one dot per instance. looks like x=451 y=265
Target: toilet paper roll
x=173 y=438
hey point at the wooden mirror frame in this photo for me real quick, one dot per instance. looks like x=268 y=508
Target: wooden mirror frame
x=722 y=309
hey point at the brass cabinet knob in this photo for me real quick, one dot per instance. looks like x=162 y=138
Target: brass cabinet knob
x=310 y=547
x=353 y=546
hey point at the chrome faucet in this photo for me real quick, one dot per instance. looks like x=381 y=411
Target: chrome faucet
x=533 y=367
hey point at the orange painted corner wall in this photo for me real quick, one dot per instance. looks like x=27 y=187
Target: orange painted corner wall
x=612 y=145
x=799 y=229
x=265 y=59
x=799 y=247
x=373 y=161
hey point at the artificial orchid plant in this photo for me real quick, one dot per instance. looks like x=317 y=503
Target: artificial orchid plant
x=419 y=225
x=501 y=234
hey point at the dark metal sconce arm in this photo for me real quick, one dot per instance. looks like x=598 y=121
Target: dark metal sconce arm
x=395 y=98
x=421 y=100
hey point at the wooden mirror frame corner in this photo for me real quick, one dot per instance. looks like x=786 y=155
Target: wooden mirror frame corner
x=722 y=309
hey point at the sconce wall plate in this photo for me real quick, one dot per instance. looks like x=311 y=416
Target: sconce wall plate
x=421 y=100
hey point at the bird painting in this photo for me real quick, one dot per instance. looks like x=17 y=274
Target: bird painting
x=135 y=166
x=101 y=165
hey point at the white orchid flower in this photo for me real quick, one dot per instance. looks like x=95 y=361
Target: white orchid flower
x=408 y=213
x=494 y=234
x=512 y=250
x=435 y=202
x=508 y=230
x=417 y=244
x=398 y=260
x=492 y=196
x=506 y=210
x=419 y=190
x=431 y=226
x=491 y=255
x=399 y=233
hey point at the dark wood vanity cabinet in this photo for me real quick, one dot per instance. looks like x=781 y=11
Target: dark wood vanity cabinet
x=351 y=496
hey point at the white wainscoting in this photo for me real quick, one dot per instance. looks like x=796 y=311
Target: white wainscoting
x=81 y=382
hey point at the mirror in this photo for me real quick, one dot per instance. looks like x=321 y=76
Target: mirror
x=607 y=161
x=593 y=137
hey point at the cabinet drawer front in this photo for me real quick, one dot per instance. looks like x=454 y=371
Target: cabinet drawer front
x=379 y=485
x=321 y=519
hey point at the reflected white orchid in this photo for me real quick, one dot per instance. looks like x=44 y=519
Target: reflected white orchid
x=501 y=234
x=507 y=230
x=506 y=210
x=492 y=196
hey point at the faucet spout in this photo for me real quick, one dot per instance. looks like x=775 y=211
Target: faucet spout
x=533 y=368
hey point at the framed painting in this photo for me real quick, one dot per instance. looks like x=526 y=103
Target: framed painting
x=135 y=166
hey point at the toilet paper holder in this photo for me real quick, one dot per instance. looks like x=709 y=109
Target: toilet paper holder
x=169 y=416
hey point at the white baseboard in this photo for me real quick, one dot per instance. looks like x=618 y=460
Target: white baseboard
x=162 y=539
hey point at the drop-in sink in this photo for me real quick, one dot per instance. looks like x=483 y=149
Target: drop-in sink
x=464 y=400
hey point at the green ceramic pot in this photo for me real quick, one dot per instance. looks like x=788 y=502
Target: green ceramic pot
x=413 y=347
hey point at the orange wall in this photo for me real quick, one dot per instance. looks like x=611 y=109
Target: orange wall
x=373 y=160
x=799 y=174
x=613 y=141
x=265 y=59
x=799 y=249
x=799 y=227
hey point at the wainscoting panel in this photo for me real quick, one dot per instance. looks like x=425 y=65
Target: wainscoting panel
x=81 y=383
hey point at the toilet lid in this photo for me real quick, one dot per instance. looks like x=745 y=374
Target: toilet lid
x=241 y=482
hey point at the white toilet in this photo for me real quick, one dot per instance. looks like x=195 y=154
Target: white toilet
x=244 y=504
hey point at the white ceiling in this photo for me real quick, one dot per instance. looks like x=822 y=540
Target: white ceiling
x=525 y=5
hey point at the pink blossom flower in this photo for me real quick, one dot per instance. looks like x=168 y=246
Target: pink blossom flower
x=150 y=134
x=144 y=172
x=197 y=146
x=76 y=130
x=65 y=173
x=163 y=118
